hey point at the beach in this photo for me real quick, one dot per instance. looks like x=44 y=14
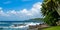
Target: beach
x=18 y=26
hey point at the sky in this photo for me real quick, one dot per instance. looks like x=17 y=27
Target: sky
x=19 y=10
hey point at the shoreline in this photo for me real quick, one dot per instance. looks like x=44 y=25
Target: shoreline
x=30 y=26
x=36 y=27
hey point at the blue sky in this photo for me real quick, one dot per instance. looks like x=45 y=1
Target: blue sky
x=17 y=10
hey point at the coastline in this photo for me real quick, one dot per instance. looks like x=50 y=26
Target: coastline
x=19 y=26
x=26 y=25
x=38 y=27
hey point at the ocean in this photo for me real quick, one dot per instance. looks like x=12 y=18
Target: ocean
x=17 y=25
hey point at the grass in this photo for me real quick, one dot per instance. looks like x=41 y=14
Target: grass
x=53 y=28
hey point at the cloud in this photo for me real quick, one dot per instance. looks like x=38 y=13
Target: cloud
x=30 y=0
x=0 y=8
x=7 y=2
x=24 y=14
x=26 y=0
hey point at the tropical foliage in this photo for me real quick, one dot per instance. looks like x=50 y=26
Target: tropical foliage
x=49 y=10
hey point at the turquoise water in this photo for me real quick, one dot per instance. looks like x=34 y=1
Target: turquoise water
x=9 y=25
x=13 y=28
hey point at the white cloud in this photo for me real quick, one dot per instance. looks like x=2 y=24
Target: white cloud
x=30 y=0
x=12 y=12
x=7 y=2
x=2 y=13
x=0 y=8
x=37 y=5
x=26 y=0
x=24 y=14
x=24 y=11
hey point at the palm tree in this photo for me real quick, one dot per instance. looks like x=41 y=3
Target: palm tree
x=49 y=10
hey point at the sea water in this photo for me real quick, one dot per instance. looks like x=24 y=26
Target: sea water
x=9 y=25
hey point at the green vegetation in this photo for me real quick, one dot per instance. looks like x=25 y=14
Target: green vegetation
x=37 y=19
x=53 y=28
x=49 y=10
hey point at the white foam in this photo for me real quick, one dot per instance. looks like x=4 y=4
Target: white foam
x=27 y=24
